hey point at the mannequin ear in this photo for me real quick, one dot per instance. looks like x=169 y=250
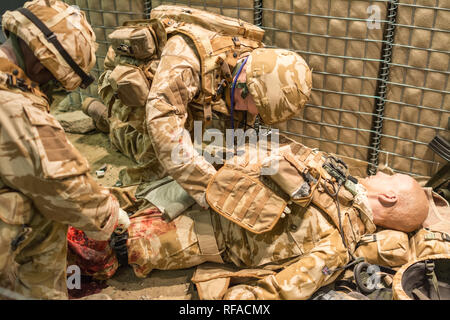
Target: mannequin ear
x=388 y=199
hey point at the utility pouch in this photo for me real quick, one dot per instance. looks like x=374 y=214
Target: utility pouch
x=171 y=199
x=135 y=41
x=388 y=248
x=16 y=212
x=244 y=200
x=427 y=242
x=130 y=85
x=306 y=179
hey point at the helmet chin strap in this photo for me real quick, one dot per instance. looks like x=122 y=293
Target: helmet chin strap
x=232 y=92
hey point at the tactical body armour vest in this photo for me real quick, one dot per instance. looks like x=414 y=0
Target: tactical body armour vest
x=220 y=42
x=304 y=178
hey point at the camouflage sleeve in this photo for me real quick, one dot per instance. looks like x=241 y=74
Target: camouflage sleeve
x=37 y=160
x=175 y=84
x=301 y=279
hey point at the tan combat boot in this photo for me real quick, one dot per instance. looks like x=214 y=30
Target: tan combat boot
x=95 y=109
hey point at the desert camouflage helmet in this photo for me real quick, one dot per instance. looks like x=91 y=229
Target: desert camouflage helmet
x=280 y=83
x=426 y=278
x=60 y=37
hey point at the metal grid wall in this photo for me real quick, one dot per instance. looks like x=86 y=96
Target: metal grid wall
x=346 y=56
x=242 y=9
x=417 y=105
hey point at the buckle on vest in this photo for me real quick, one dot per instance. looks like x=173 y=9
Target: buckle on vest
x=21 y=84
x=10 y=80
x=220 y=90
x=125 y=48
x=15 y=82
x=336 y=168
x=51 y=37
x=445 y=237
x=236 y=41
x=370 y=238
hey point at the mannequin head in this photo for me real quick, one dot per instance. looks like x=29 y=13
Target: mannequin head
x=398 y=201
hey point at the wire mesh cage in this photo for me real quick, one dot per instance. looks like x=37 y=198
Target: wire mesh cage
x=380 y=69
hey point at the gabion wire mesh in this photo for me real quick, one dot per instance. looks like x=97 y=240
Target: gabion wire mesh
x=417 y=103
x=334 y=39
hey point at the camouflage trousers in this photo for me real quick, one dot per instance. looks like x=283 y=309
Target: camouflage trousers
x=33 y=258
x=187 y=241
x=199 y=236
x=137 y=146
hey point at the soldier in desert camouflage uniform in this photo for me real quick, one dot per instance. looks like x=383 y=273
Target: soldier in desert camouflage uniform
x=45 y=183
x=305 y=249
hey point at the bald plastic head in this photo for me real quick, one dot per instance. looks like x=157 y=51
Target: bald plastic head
x=398 y=201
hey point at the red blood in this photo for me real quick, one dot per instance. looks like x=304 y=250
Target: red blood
x=95 y=258
x=149 y=225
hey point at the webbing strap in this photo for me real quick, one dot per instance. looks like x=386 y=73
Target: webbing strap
x=205 y=236
x=86 y=79
x=421 y=296
x=432 y=280
x=437 y=236
x=238 y=194
x=226 y=193
x=259 y=208
x=248 y=203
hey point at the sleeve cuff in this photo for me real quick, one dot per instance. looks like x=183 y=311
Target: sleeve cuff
x=105 y=233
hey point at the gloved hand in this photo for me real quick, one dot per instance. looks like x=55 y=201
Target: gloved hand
x=123 y=222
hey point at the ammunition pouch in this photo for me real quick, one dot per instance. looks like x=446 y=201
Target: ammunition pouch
x=387 y=248
x=137 y=41
x=427 y=242
x=130 y=85
x=244 y=200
